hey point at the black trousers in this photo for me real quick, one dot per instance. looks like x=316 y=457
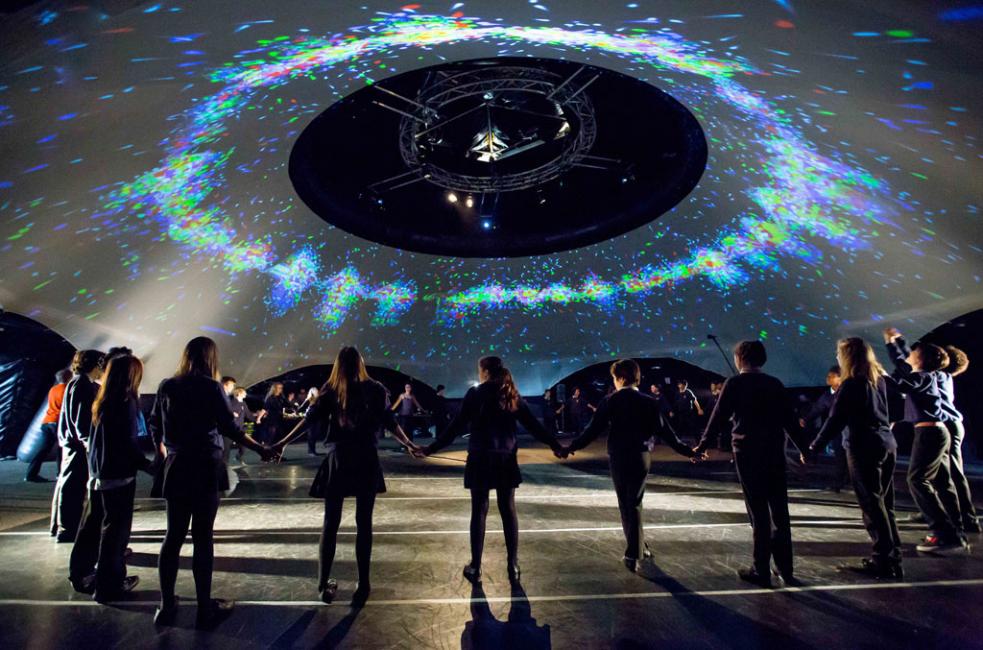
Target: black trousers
x=842 y=464
x=967 y=510
x=505 y=496
x=931 y=484
x=766 y=495
x=333 y=506
x=69 y=497
x=313 y=435
x=629 y=472
x=102 y=539
x=50 y=433
x=872 y=473
x=197 y=513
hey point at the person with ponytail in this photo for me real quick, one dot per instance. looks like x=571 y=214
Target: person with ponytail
x=114 y=459
x=860 y=412
x=491 y=410
x=189 y=418
x=354 y=410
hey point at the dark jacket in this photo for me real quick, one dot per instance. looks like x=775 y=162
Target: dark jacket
x=922 y=389
x=366 y=415
x=756 y=408
x=492 y=428
x=860 y=411
x=819 y=410
x=190 y=416
x=113 y=449
x=75 y=419
x=632 y=419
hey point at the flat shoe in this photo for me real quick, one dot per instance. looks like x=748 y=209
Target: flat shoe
x=329 y=592
x=216 y=611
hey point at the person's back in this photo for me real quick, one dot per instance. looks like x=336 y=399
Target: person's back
x=366 y=414
x=75 y=418
x=758 y=411
x=868 y=420
x=191 y=414
x=634 y=418
x=113 y=451
x=493 y=428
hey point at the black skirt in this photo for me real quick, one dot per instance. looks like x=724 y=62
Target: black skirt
x=348 y=471
x=490 y=471
x=185 y=477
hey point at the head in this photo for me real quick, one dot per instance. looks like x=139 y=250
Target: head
x=655 y=390
x=117 y=352
x=239 y=394
x=927 y=357
x=89 y=362
x=682 y=385
x=857 y=360
x=547 y=394
x=63 y=376
x=750 y=355
x=348 y=369
x=833 y=377
x=576 y=392
x=275 y=390
x=120 y=384
x=440 y=389
x=958 y=361
x=228 y=384
x=625 y=373
x=408 y=388
x=200 y=357
x=493 y=370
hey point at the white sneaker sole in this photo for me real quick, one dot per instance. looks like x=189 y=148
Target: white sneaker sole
x=949 y=549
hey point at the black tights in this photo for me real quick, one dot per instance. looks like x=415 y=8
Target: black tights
x=198 y=513
x=510 y=523
x=333 y=505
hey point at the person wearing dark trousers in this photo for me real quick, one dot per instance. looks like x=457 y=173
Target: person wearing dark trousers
x=49 y=426
x=405 y=406
x=860 y=413
x=687 y=409
x=813 y=420
x=97 y=563
x=188 y=420
x=760 y=416
x=243 y=415
x=272 y=427
x=958 y=363
x=354 y=410
x=917 y=373
x=632 y=419
x=490 y=411
x=74 y=423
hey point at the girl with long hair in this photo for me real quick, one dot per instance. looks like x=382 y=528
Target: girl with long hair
x=353 y=409
x=860 y=412
x=189 y=418
x=490 y=411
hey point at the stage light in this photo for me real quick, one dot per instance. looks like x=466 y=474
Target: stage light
x=486 y=224
x=451 y=197
x=469 y=202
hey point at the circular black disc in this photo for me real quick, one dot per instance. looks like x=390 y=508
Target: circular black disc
x=501 y=157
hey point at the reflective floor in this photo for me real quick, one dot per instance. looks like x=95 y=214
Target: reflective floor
x=575 y=592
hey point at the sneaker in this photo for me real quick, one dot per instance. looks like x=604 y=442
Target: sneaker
x=933 y=544
x=128 y=585
x=873 y=569
x=329 y=592
x=630 y=563
x=85 y=585
x=751 y=575
x=472 y=574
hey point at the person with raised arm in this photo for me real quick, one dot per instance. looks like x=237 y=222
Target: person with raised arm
x=490 y=411
x=632 y=419
x=354 y=410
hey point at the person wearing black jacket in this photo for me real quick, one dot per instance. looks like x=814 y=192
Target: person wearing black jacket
x=491 y=410
x=114 y=459
x=760 y=415
x=189 y=418
x=632 y=419
x=354 y=410
x=958 y=363
x=860 y=412
x=74 y=425
x=818 y=413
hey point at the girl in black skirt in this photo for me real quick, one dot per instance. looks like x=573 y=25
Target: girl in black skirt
x=491 y=410
x=354 y=409
x=187 y=423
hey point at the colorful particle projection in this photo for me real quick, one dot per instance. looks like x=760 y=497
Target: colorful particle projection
x=794 y=230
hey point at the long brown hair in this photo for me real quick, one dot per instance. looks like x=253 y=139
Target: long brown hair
x=857 y=359
x=508 y=394
x=200 y=357
x=120 y=384
x=348 y=369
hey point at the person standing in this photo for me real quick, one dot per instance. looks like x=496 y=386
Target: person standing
x=633 y=419
x=49 y=427
x=958 y=363
x=74 y=427
x=114 y=459
x=405 y=406
x=860 y=411
x=813 y=420
x=577 y=408
x=491 y=410
x=687 y=409
x=189 y=418
x=244 y=417
x=754 y=405
x=353 y=409
x=275 y=405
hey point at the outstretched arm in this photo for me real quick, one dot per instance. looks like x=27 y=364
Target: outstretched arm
x=457 y=424
x=535 y=427
x=598 y=424
x=720 y=418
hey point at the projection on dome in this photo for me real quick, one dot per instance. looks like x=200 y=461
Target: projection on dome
x=146 y=193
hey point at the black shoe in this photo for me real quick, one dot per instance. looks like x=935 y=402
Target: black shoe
x=65 y=538
x=515 y=573
x=86 y=585
x=472 y=574
x=329 y=592
x=630 y=563
x=786 y=579
x=166 y=615
x=361 y=595
x=751 y=575
x=647 y=553
x=128 y=585
x=127 y=552
x=873 y=569
x=213 y=613
x=37 y=479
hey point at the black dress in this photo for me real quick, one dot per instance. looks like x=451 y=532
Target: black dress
x=351 y=462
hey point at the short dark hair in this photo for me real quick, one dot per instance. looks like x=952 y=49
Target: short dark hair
x=227 y=379
x=833 y=370
x=627 y=370
x=85 y=361
x=119 y=351
x=751 y=353
x=682 y=381
x=440 y=387
x=958 y=361
x=933 y=357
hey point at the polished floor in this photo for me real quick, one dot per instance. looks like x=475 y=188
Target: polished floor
x=576 y=593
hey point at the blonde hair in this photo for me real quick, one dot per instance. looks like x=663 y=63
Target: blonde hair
x=857 y=360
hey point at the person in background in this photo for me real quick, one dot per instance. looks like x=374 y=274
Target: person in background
x=49 y=426
x=632 y=419
x=813 y=420
x=687 y=409
x=577 y=411
x=755 y=407
x=491 y=410
x=244 y=417
x=189 y=418
x=275 y=405
x=405 y=406
x=440 y=414
x=97 y=563
x=549 y=412
x=74 y=428
x=958 y=363
x=723 y=444
x=860 y=411
x=918 y=374
x=228 y=386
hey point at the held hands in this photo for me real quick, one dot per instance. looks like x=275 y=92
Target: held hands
x=270 y=454
x=699 y=455
x=562 y=452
